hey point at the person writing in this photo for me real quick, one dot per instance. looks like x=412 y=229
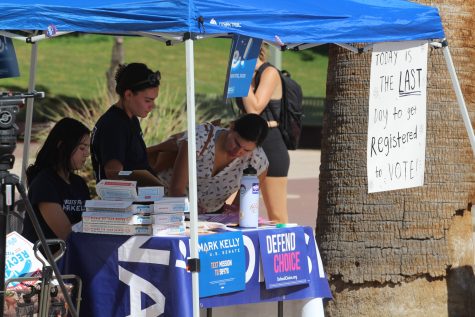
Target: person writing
x=265 y=98
x=56 y=193
x=117 y=139
x=221 y=156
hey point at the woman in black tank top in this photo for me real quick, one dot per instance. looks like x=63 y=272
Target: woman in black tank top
x=265 y=94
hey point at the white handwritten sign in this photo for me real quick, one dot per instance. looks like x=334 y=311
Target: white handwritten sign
x=397 y=116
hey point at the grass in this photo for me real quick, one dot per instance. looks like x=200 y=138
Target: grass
x=75 y=66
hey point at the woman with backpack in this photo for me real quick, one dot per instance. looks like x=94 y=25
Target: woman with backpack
x=265 y=98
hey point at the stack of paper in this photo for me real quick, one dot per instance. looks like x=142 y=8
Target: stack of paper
x=117 y=217
x=124 y=210
x=169 y=215
x=127 y=190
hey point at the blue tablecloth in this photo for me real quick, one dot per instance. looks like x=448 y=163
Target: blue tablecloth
x=125 y=275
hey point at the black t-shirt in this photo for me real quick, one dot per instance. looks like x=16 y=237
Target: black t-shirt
x=118 y=137
x=48 y=186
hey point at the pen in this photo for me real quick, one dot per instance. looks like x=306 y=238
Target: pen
x=286 y=225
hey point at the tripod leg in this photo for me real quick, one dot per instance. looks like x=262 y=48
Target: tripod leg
x=49 y=255
x=7 y=206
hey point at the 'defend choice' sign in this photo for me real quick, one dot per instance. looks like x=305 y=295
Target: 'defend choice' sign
x=8 y=61
x=284 y=257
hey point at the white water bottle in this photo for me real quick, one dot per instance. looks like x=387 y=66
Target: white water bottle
x=249 y=199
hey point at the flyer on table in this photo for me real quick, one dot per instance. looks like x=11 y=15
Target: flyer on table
x=222 y=259
x=242 y=61
x=284 y=257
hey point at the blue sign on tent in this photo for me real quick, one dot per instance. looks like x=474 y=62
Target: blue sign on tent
x=242 y=61
x=8 y=61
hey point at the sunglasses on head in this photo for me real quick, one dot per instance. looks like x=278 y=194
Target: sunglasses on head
x=152 y=80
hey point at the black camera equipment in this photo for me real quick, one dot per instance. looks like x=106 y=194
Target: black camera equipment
x=9 y=107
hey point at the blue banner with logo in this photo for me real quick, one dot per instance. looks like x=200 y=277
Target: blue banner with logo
x=242 y=61
x=8 y=61
x=222 y=262
x=284 y=257
x=147 y=276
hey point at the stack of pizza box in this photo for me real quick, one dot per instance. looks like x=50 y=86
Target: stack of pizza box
x=122 y=209
x=169 y=215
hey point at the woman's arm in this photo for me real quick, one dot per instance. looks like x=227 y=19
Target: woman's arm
x=177 y=186
x=256 y=102
x=112 y=168
x=262 y=177
x=56 y=219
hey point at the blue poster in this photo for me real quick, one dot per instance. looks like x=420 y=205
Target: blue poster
x=222 y=260
x=242 y=61
x=284 y=257
x=8 y=61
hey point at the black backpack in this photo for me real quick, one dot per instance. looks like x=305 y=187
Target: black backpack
x=291 y=114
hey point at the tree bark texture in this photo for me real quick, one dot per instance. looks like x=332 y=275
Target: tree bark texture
x=384 y=253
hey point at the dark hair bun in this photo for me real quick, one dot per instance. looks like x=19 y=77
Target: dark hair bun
x=136 y=77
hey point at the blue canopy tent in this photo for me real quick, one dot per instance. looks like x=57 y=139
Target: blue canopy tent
x=298 y=25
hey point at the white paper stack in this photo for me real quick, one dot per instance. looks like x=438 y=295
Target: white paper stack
x=123 y=209
x=109 y=189
x=171 y=204
x=120 y=229
x=118 y=210
x=169 y=215
x=169 y=228
x=150 y=194
x=117 y=217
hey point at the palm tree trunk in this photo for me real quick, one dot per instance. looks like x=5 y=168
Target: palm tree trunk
x=117 y=58
x=405 y=252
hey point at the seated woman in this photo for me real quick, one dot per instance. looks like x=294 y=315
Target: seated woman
x=56 y=193
x=221 y=156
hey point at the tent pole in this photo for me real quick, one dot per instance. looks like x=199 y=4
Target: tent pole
x=29 y=112
x=190 y=106
x=458 y=93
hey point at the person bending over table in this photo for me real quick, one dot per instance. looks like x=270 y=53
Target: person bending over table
x=265 y=98
x=221 y=156
x=117 y=138
x=56 y=193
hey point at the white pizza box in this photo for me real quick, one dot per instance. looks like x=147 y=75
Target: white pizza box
x=171 y=204
x=20 y=260
x=109 y=217
x=148 y=198
x=142 y=208
x=168 y=217
x=119 y=229
x=108 y=205
x=169 y=229
x=151 y=191
x=109 y=189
